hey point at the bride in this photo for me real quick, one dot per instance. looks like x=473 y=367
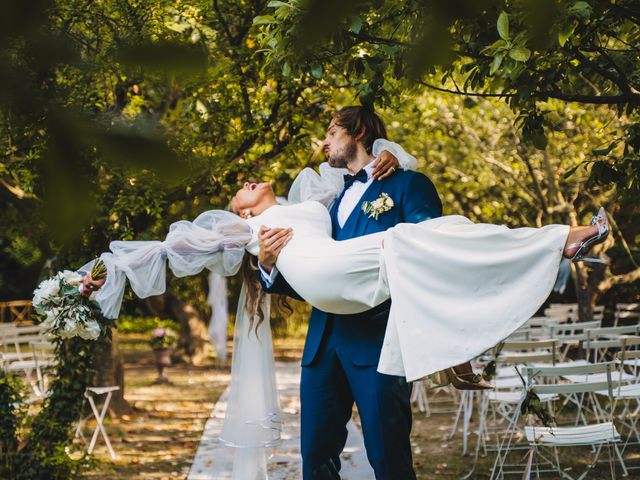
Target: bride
x=451 y=281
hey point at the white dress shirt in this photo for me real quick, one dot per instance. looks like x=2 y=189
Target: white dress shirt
x=349 y=201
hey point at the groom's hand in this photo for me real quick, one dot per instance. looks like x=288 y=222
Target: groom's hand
x=272 y=241
x=384 y=166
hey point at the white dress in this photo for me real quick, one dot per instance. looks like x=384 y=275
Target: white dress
x=457 y=288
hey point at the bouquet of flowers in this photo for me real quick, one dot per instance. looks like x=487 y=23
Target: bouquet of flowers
x=65 y=312
x=163 y=338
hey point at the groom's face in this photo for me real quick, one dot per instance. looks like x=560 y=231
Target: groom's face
x=339 y=147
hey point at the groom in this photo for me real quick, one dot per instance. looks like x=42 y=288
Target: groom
x=341 y=352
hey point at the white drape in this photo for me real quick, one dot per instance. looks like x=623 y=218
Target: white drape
x=217 y=299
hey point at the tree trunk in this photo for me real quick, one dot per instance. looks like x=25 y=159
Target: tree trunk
x=193 y=345
x=111 y=372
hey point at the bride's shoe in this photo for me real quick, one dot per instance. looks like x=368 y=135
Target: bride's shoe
x=468 y=381
x=600 y=221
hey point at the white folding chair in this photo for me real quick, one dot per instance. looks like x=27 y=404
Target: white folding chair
x=570 y=335
x=597 y=434
x=90 y=394
x=44 y=359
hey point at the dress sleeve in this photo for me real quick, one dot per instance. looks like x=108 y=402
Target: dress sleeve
x=214 y=240
x=407 y=162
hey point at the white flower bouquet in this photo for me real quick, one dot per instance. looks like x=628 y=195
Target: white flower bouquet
x=64 y=311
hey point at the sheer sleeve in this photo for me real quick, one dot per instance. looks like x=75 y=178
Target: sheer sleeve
x=407 y=162
x=325 y=186
x=214 y=240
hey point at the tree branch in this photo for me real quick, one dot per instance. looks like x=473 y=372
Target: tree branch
x=629 y=277
x=631 y=97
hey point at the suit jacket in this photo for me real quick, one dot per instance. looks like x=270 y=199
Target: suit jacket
x=360 y=336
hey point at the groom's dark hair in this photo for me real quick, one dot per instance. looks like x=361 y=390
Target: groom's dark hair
x=356 y=120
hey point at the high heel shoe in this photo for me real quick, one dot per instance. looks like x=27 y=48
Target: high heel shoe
x=601 y=221
x=467 y=381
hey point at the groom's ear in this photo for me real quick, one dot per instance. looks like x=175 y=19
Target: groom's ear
x=360 y=136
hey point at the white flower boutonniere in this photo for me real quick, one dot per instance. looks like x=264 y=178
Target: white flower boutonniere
x=382 y=204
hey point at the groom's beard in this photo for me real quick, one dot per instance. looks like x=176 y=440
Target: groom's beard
x=342 y=157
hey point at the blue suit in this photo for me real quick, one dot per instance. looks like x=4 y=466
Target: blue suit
x=341 y=354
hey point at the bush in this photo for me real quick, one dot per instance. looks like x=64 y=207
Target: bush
x=131 y=324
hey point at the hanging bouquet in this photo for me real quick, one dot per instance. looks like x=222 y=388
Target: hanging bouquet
x=65 y=312
x=162 y=338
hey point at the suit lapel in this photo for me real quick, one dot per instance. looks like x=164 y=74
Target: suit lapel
x=333 y=213
x=362 y=220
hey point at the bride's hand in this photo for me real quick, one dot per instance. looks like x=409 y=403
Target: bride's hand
x=384 y=166
x=89 y=285
x=272 y=241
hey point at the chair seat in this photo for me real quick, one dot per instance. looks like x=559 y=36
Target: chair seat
x=583 y=435
x=102 y=390
x=22 y=365
x=515 y=397
x=510 y=382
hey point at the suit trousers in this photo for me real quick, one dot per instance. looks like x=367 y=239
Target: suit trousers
x=328 y=389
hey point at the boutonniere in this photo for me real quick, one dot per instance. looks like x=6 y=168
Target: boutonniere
x=382 y=204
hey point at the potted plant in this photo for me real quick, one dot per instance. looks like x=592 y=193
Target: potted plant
x=162 y=341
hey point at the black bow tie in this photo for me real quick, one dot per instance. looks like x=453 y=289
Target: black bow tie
x=361 y=176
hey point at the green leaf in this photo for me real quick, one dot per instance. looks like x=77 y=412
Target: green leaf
x=278 y=4
x=286 y=69
x=503 y=26
x=581 y=8
x=356 y=24
x=178 y=27
x=495 y=65
x=316 y=72
x=539 y=140
x=264 y=20
x=520 y=54
x=565 y=32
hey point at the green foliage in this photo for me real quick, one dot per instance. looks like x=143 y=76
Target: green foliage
x=10 y=397
x=135 y=118
x=524 y=52
x=45 y=438
x=131 y=324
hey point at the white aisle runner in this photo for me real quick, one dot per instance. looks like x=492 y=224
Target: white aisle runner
x=214 y=461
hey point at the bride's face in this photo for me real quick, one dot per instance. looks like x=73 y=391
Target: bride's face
x=249 y=196
x=338 y=146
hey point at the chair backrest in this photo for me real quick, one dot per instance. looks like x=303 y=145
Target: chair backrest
x=629 y=354
x=599 y=341
x=572 y=331
x=19 y=344
x=631 y=307
x=546 y=380
x=524 y=352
